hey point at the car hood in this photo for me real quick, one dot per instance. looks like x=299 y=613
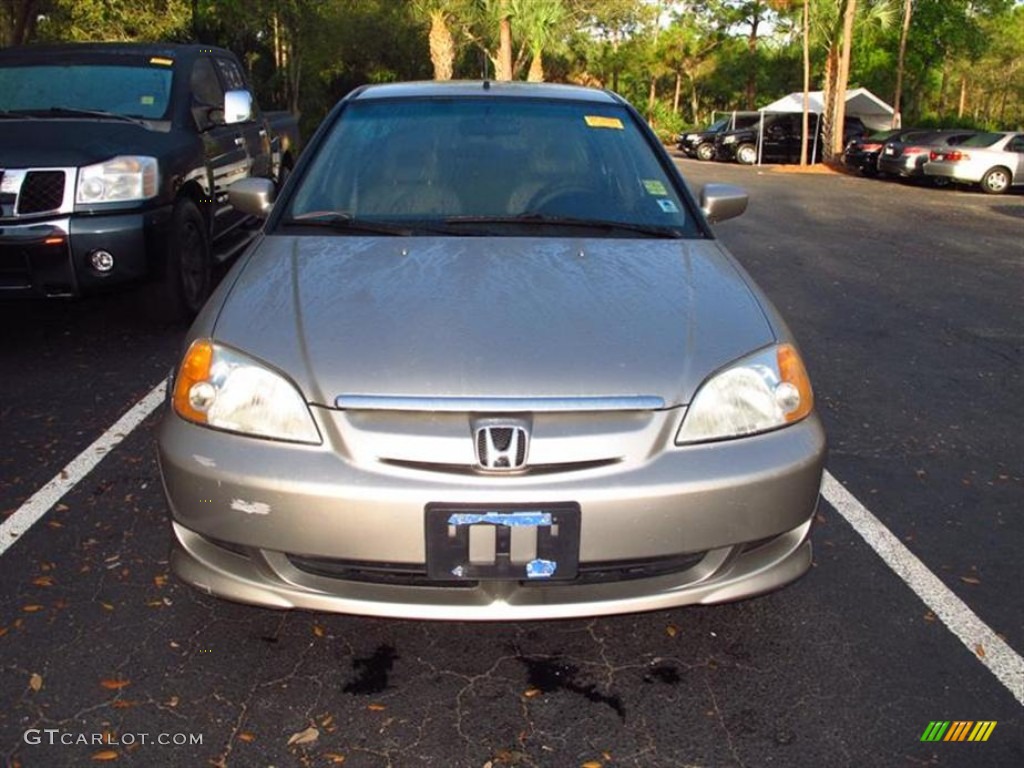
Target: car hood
x=44 y=142
x=492 y=317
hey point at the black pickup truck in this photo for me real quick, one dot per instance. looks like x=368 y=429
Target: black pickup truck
x=115 y=160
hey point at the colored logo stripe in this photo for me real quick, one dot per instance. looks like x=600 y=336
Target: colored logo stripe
x=958 y=730
x=982 y=731
x=935 y=730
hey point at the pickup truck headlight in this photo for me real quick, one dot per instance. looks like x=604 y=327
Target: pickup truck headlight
x=729 y=140
x=120 y=179
x=225 y=389
x=764 y=391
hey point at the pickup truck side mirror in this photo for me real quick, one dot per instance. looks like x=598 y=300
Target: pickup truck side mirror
x=237 y=106
x=719 y=202
x=254 y=196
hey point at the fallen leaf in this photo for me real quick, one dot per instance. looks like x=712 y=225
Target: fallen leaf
x=335 y=758
x=173 y=701
x=43 y=581
x=54 y=524
x=326 y=721
x=160 y=581
x=592 y=764
x=671 y=630
x=105 y=756
x=376 y=707
x=929 y=616
x=532 y=693
x=3 y=631
x=62 y=507
x=31 y=608
x=35 y=682
x=979 y=649
x=115 y=685
x=307 y=736
x=318 y=630
x=970 y=580
x=122 y=704
x=247 y=737
x=107 y=606
x=606 y=755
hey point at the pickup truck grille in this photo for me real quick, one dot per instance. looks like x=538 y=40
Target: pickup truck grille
x=41 y=191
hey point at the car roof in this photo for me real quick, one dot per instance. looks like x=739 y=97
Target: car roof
x=485 y=88
x=173 y=50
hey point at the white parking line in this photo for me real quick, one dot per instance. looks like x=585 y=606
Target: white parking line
x=29 y=513
x=990 y=649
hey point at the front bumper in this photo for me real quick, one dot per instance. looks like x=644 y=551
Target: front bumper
x=248 y=515
x=50 y=257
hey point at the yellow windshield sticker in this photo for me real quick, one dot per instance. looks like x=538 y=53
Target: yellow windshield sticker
x=161 y=61
x=654 y=187
x=597 y=121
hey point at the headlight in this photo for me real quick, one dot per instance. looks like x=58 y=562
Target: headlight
x=225 y=389
x=729 y=140
x=691 y=136
x=120 y=179
x=764 y=391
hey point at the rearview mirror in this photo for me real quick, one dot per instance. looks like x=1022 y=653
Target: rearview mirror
x=254 y=196
x=719 y=202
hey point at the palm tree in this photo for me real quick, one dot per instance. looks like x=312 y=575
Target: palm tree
x=540 y=23
x=441 y=15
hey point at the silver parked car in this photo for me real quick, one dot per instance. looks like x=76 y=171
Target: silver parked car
x=995 y=161
x=488 y=361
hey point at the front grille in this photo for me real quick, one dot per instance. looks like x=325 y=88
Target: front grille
x=391 y=574
x=41 y=191
x=610 y=571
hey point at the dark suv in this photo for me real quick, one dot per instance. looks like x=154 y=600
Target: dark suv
x=781 y=139
x=701 y=144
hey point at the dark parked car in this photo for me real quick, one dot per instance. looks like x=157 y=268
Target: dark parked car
x=906 y=157
x=780 y=139
x=115 y=160
x=701 y=144
x=861 y=153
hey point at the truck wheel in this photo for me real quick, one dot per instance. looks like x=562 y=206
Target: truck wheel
x=746 y=154
x=706 y=152
x=996 y=181
x=186 y=280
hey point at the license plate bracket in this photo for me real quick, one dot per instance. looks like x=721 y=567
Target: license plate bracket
x=531 y=542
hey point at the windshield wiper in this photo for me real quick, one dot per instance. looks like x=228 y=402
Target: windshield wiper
x=344 y=222
x=72 y=112
x=16 y=114
x=605 y=225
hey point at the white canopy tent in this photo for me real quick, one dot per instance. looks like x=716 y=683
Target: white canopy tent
x=860 y=102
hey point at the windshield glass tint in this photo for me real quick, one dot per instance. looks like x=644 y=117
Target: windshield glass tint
x=127 y=90
x=438 y=159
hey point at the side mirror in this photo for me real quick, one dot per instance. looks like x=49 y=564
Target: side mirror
x=237 y=106
x=719 y=202
x=254 y=196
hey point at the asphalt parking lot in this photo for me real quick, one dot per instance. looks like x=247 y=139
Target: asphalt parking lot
x=907 y=304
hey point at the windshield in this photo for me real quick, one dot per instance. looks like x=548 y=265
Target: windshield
x=507 y=162
x=718 y=125
x=138 y=91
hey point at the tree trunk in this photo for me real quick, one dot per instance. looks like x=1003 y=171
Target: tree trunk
x=751 y=89
x=679 y=88
x=963 y=96
x=897 y=118
x=505 y=51
x=827 y=117
x=442 y=46
x=536 y=73
x=944 y=87
x=835 y=143
x=652 y=96
x=807 y=82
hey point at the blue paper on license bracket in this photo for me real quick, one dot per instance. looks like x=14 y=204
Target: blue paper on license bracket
x=509 y=519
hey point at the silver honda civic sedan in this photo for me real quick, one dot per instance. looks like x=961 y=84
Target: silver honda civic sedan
x=487 y=360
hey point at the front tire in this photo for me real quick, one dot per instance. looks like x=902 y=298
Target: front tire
x=746 y=154
x=996 y=181
x=705 y=152
x=187 y=276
